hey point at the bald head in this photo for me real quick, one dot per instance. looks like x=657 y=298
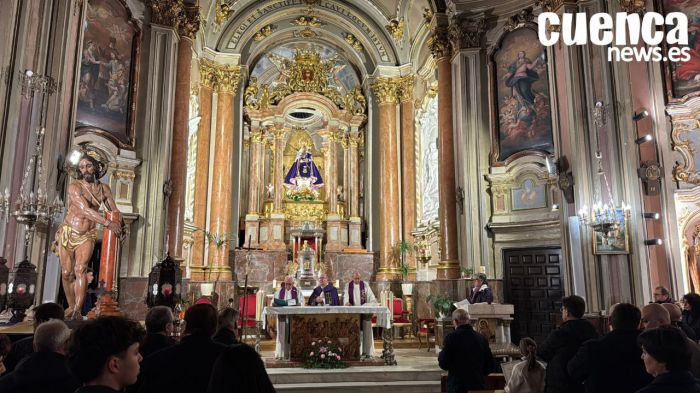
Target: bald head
x=674 y=312
x=653 y=316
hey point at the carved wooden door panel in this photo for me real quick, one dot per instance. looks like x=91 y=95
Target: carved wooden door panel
x=534 y=284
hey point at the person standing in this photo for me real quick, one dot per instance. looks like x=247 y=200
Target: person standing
x=612 y=364
x=358 y=292
x=562 y=344
x=465 y=355
x=324 y=294
x=481 y=293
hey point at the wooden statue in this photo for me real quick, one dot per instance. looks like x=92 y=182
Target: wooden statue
x=75 y=238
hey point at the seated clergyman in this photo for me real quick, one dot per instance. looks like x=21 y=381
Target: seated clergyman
x=324 y=293
x=358 y=292
x=289 y=295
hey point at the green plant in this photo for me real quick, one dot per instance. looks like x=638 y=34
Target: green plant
x=401 y=249
x=441 y=304
x=324 y=353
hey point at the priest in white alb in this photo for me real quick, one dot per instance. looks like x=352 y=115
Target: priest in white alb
x=358 y=293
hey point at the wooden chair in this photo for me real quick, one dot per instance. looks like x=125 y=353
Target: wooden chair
x=426 y=328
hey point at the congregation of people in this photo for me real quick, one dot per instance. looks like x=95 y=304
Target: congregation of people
x=648 y=350
x=116 y=354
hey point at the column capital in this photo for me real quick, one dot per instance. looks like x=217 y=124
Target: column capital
x=166 y=12
x=189 y=23
x=385 y=90
x=552 y=5
x=465 y=33
x=439 y=43
x=227 y=77
x=406 y=84
x=206 y=73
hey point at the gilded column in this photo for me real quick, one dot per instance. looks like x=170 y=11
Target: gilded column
x=206 y=75
x=447 y=211
x=353 y=191
x=389 y=214
x=408 y=165
x=187 y=29
x=252 y=219
x=227 y=77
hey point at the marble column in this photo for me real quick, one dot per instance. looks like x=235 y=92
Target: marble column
x=276 y=235
x=206 y=75
x=447 y=211
x=389 y=215
x=353 y=191
x=333 y=224
x=227 y=77
x=408 y=165
x=187 y=30
x=252 y=218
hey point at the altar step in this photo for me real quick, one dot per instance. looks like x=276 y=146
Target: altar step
x=411 y=375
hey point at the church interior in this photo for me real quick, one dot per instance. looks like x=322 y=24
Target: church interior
x=424 y=144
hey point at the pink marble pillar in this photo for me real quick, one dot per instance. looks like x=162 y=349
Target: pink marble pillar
x=389 y=213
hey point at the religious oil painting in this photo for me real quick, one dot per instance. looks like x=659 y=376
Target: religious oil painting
x=522 y=95
x=615 y=241
x=107 y=79
x=683 y=78
x=529 y=196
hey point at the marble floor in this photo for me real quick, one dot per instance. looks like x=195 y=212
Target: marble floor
x=416 y=371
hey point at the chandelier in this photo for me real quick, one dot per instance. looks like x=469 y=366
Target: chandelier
x=606 y=218
x=32 y=205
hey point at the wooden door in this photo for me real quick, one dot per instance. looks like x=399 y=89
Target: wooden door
x=534 y=285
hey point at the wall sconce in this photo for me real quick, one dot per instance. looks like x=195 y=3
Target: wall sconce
x=641 y=115
x=651 y=216
x=653 y=242
x=644 y=139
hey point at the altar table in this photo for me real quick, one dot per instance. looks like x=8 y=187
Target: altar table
x=298 y=327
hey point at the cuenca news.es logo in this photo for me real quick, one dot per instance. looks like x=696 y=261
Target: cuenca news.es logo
x=621 y=34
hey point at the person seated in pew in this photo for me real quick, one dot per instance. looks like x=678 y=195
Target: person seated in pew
x=288 y=295
x=324 y=294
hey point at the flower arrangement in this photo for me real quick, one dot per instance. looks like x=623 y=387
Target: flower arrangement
x=324 y=354
x=302 y=193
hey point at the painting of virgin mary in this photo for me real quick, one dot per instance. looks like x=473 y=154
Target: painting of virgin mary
x=522 y=90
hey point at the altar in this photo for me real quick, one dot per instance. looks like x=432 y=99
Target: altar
x=350 y=328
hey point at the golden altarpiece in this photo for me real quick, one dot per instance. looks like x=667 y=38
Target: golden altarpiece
x=304 y=143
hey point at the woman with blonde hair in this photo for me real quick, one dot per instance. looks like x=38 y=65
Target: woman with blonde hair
x=528 y=375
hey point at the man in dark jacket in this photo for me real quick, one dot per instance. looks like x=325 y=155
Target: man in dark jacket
x=227 y=327
x=562 y=344
x=186 y=366
x=612 y=363
x=46 y=370
x=24 y=347
x=159 y=327
x=465 y=355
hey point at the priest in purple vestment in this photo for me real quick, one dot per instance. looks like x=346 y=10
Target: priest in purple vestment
x=289 y=295
x=324 y=294
x=358 y=292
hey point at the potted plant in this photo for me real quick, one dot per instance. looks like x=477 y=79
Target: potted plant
x=467 y=272
x=442 y=305
x=402 y=248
